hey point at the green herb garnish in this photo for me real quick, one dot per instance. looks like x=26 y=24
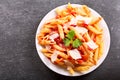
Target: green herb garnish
x=76 y=43
x=66 y=41
x=70 y=34
x=70 y=40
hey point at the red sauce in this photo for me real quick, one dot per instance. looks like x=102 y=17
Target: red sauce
x=80 y=61
x=85 y=57
x=84 y=25
x=73 y=25
x=58 y=40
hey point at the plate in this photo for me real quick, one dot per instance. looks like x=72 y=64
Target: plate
x=59 y=70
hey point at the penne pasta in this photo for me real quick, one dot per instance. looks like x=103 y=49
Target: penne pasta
x=44 y=50
x=92 y=36
x=48 y=55
x=91 y=28
x=86 y=48
x=86 y=64
x=95 y=57
x=60 y=30
x=98 y=39
x=60 y=63
x=63 y=55
x=48 y=26
x=97 y=27
x=70 y=69
x=81 y=12
x=100 y=50
x=45 y=30
x=58 y=48
x=95 y=20
x=81 y=68
x=87 y=37
x=73 y=39
x=86 y=10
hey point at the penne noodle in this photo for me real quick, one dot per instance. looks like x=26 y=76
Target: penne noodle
x=46 y=42
x=81 y=48
x=87 y=37
x=70 y=69
x=60 y=63
x=100 y=50
x=90 y=33
x=81 y=12
x=45 y=30
x=87 y=50
x=91 y=57
x=49 y=26
x=92 y=36
x=60 y=22
x=63 y=55
x=86 y=10
x=66 y=18
x=58 y=48
x=58 y=11
x=69 y=7
x=44 y=50
x=98 y=39
x=60 y=29
x=95 y=57
x=48 y=55
x=86 y=64
x=91 y=28
x=95 y=20
x=81 y=68
x=97 y=27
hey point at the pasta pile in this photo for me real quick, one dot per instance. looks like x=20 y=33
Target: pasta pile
x=72 y=39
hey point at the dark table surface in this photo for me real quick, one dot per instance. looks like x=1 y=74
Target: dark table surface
x=19 y=20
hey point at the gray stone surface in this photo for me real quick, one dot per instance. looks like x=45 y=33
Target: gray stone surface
x=19 y=20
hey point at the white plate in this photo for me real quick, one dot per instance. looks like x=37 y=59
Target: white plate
x=59 y=70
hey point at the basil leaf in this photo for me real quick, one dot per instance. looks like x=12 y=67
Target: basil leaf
x=70 y=34
x=76 y=43
x=66 y=41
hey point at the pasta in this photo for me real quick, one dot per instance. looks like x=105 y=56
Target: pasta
x=60 y=30
x=72 y=39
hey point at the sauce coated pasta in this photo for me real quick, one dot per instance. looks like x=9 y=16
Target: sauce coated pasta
x=72 y=39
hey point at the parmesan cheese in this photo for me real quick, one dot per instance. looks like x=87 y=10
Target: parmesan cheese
x=81 y=30
x=53 y=36
x=73 y=21
x=86 y=19
x=54 y=56
x=75 y=54
x=92 y=44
